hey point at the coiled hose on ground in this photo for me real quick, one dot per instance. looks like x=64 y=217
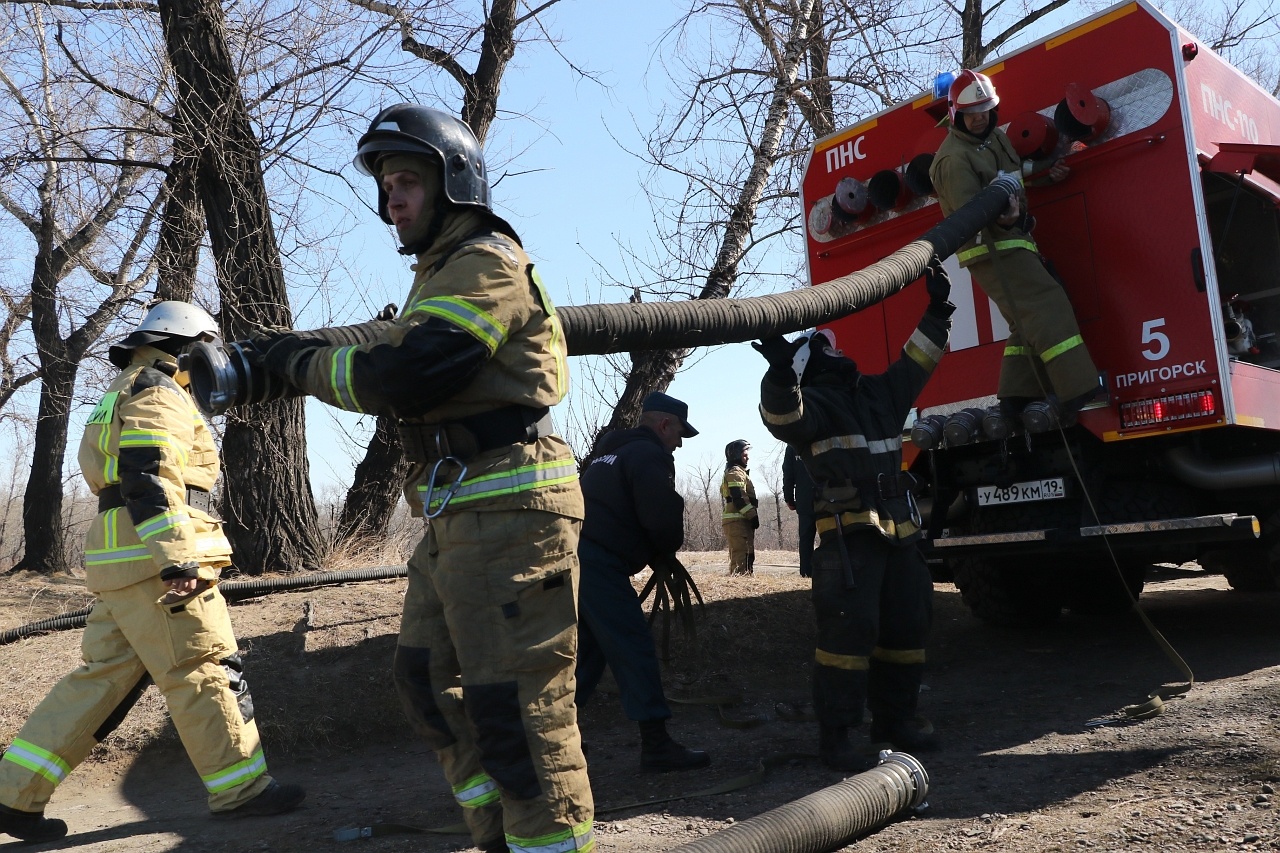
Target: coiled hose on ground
x=231 y=590
x=830 y=818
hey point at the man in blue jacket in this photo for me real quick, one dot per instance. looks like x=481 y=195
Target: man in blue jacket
x=633 y=516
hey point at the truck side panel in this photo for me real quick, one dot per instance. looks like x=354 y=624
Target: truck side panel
x=1122 y=231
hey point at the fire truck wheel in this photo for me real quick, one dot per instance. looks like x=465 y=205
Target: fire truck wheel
x=1247 y=568
x=1252 y=578
x=1007 y=594
x=1100 y=590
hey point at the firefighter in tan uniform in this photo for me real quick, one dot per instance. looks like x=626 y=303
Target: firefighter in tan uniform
x=741 y=517
x=485 y=659
x=1047 y=374
x=152 y=562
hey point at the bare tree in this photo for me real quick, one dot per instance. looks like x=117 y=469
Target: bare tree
x=974 y=21
x=82 y=179
x=731 y=149
x=267 y=502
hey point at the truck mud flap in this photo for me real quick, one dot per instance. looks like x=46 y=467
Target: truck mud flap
x=1122 y=536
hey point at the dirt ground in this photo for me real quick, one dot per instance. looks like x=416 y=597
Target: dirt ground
x=1019 y=770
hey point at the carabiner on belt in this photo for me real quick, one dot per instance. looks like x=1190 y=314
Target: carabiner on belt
x=442 y=449
x=914 y=507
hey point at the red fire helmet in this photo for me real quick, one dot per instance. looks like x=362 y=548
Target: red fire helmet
x=971 y=92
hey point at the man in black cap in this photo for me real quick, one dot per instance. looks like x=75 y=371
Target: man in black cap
x=634 y=515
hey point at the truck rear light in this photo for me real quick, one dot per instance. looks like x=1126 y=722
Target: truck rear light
x=1161 y=410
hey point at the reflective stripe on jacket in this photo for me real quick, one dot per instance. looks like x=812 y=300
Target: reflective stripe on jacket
x=742 y=505
x=964 y=165
x=489 y=293
x=848 y=435
x=147 y=438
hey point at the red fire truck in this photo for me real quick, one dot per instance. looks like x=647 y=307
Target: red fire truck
x=1167 y=238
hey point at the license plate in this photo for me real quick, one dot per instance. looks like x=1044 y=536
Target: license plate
x=1032 y=490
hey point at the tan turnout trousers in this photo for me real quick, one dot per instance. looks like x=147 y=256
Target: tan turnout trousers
x=129 y=635
x=490 y=620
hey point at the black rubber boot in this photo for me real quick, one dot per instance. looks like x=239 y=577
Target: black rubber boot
x=498 y=845
x=31 y=826
x=660 y=754
x=274 y=799
x=912 y=735
x=835 y=751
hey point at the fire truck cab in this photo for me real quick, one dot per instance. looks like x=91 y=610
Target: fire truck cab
x=1166 y=236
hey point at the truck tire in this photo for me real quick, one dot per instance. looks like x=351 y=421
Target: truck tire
x=1014 y=592
x=1008 y=593
x=1247 y=569
x=1250 y=576
x=1250 y=568
x=1099 y=590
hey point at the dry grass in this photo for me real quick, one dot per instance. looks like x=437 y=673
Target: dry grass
x=319 y=660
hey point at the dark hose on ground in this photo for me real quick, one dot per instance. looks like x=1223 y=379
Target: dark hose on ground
x=830 y=818
x=231 y=590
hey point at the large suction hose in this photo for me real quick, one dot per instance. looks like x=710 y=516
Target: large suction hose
x=226 y=375
x=632 y=326
x=829 y=818
x=231 y=590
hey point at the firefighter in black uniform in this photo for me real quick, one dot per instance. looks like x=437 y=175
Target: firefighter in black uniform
x=635 y=517
x=872 y=593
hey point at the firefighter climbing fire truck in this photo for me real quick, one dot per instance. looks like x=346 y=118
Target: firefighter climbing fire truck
x=1166 y=237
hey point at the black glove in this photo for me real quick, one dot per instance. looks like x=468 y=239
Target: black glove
x=280 y=349
x=189 y=569
x=936 y=281
x=779 y=351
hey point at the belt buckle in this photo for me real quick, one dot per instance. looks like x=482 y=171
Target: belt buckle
x=446 y=455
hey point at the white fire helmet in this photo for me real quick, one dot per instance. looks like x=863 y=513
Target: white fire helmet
x=971 y=92
x=801 y=359
x=178 y=319
x=164 y=320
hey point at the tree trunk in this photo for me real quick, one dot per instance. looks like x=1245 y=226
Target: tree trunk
x=376 y=488
x=44 y=536
x=270 y=512
x=182 y=224
x=42 y=523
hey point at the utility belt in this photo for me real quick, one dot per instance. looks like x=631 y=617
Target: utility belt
x=887 y=486
x=466 y=438
x=111 y=498
x=845 y=522
x=898 y=484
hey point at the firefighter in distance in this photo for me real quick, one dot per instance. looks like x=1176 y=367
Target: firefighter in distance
x=741 y=517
